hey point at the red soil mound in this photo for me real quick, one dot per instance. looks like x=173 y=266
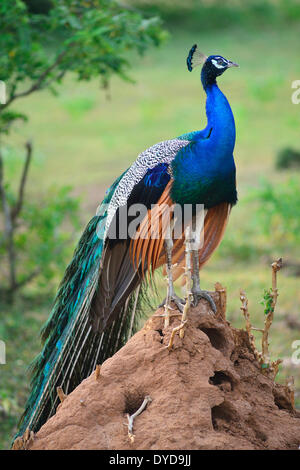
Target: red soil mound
x=207 y=393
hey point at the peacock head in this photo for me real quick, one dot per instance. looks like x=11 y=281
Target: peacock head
x=213 y=66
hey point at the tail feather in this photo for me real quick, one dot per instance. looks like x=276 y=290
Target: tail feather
x=72 y=347
x=83 y=350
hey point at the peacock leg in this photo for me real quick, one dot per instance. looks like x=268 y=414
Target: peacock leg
x=171 y=296
x=197 y=292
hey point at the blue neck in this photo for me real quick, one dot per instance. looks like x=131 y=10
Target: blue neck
x=204 y=171
x=220 y=121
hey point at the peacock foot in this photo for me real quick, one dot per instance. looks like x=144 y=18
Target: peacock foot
x=203 y=294
x=177 y=301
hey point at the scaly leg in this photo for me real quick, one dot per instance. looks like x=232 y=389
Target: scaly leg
x=197 y=292
x=171 y=296
x=188 y=270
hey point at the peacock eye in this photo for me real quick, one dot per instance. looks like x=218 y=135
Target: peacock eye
x=220 y=61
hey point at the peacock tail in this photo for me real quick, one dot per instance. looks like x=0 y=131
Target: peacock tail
x=72 y=347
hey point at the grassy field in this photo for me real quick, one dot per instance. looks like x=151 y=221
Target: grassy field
x=86 y=137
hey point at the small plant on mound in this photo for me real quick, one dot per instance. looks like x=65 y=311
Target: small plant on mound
x=268 y=367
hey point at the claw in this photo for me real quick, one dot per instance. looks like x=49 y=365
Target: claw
x=177 y=301
x=202 y=294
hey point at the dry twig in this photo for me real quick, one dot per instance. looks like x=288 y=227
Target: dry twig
x=223 y=297
x=131 y=418
x=61 y=395
x=22 y=442
x=97 y=371
x=174 y=331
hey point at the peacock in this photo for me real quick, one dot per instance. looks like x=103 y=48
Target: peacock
x=99 y=302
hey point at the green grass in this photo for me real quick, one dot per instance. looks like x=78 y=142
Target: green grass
x=86 y=140
x=19 y=327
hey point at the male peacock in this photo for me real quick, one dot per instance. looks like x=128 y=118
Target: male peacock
x=96 y=306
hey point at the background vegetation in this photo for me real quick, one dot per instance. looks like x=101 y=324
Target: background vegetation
x=86 y=136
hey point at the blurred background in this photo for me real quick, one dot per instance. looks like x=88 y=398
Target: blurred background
x=119 y=87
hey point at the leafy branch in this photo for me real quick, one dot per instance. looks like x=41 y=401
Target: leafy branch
x=40 y=82
x=88 y=38
x=91 y=38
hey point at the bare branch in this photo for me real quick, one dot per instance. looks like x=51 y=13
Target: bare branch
x=174 y=331
x=131 y=418
x=19 y=204
x=9 y=291
x=27 y=279
x=10 y=215
x=8 y=230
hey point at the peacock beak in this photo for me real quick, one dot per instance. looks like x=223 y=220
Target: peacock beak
x=232 y=64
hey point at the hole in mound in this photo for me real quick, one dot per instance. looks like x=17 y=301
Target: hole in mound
x=161 y=334
x=282 y=401
x=216 y=338
x=221 y=380
x=133 y=400
x=279 y=405
x=221 y=416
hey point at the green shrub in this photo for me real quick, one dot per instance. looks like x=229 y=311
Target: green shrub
x=278 y=212
x=43 y=238
x=272 y=225
x=288 y=158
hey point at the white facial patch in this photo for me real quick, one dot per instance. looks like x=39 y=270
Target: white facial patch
x=218 y=66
